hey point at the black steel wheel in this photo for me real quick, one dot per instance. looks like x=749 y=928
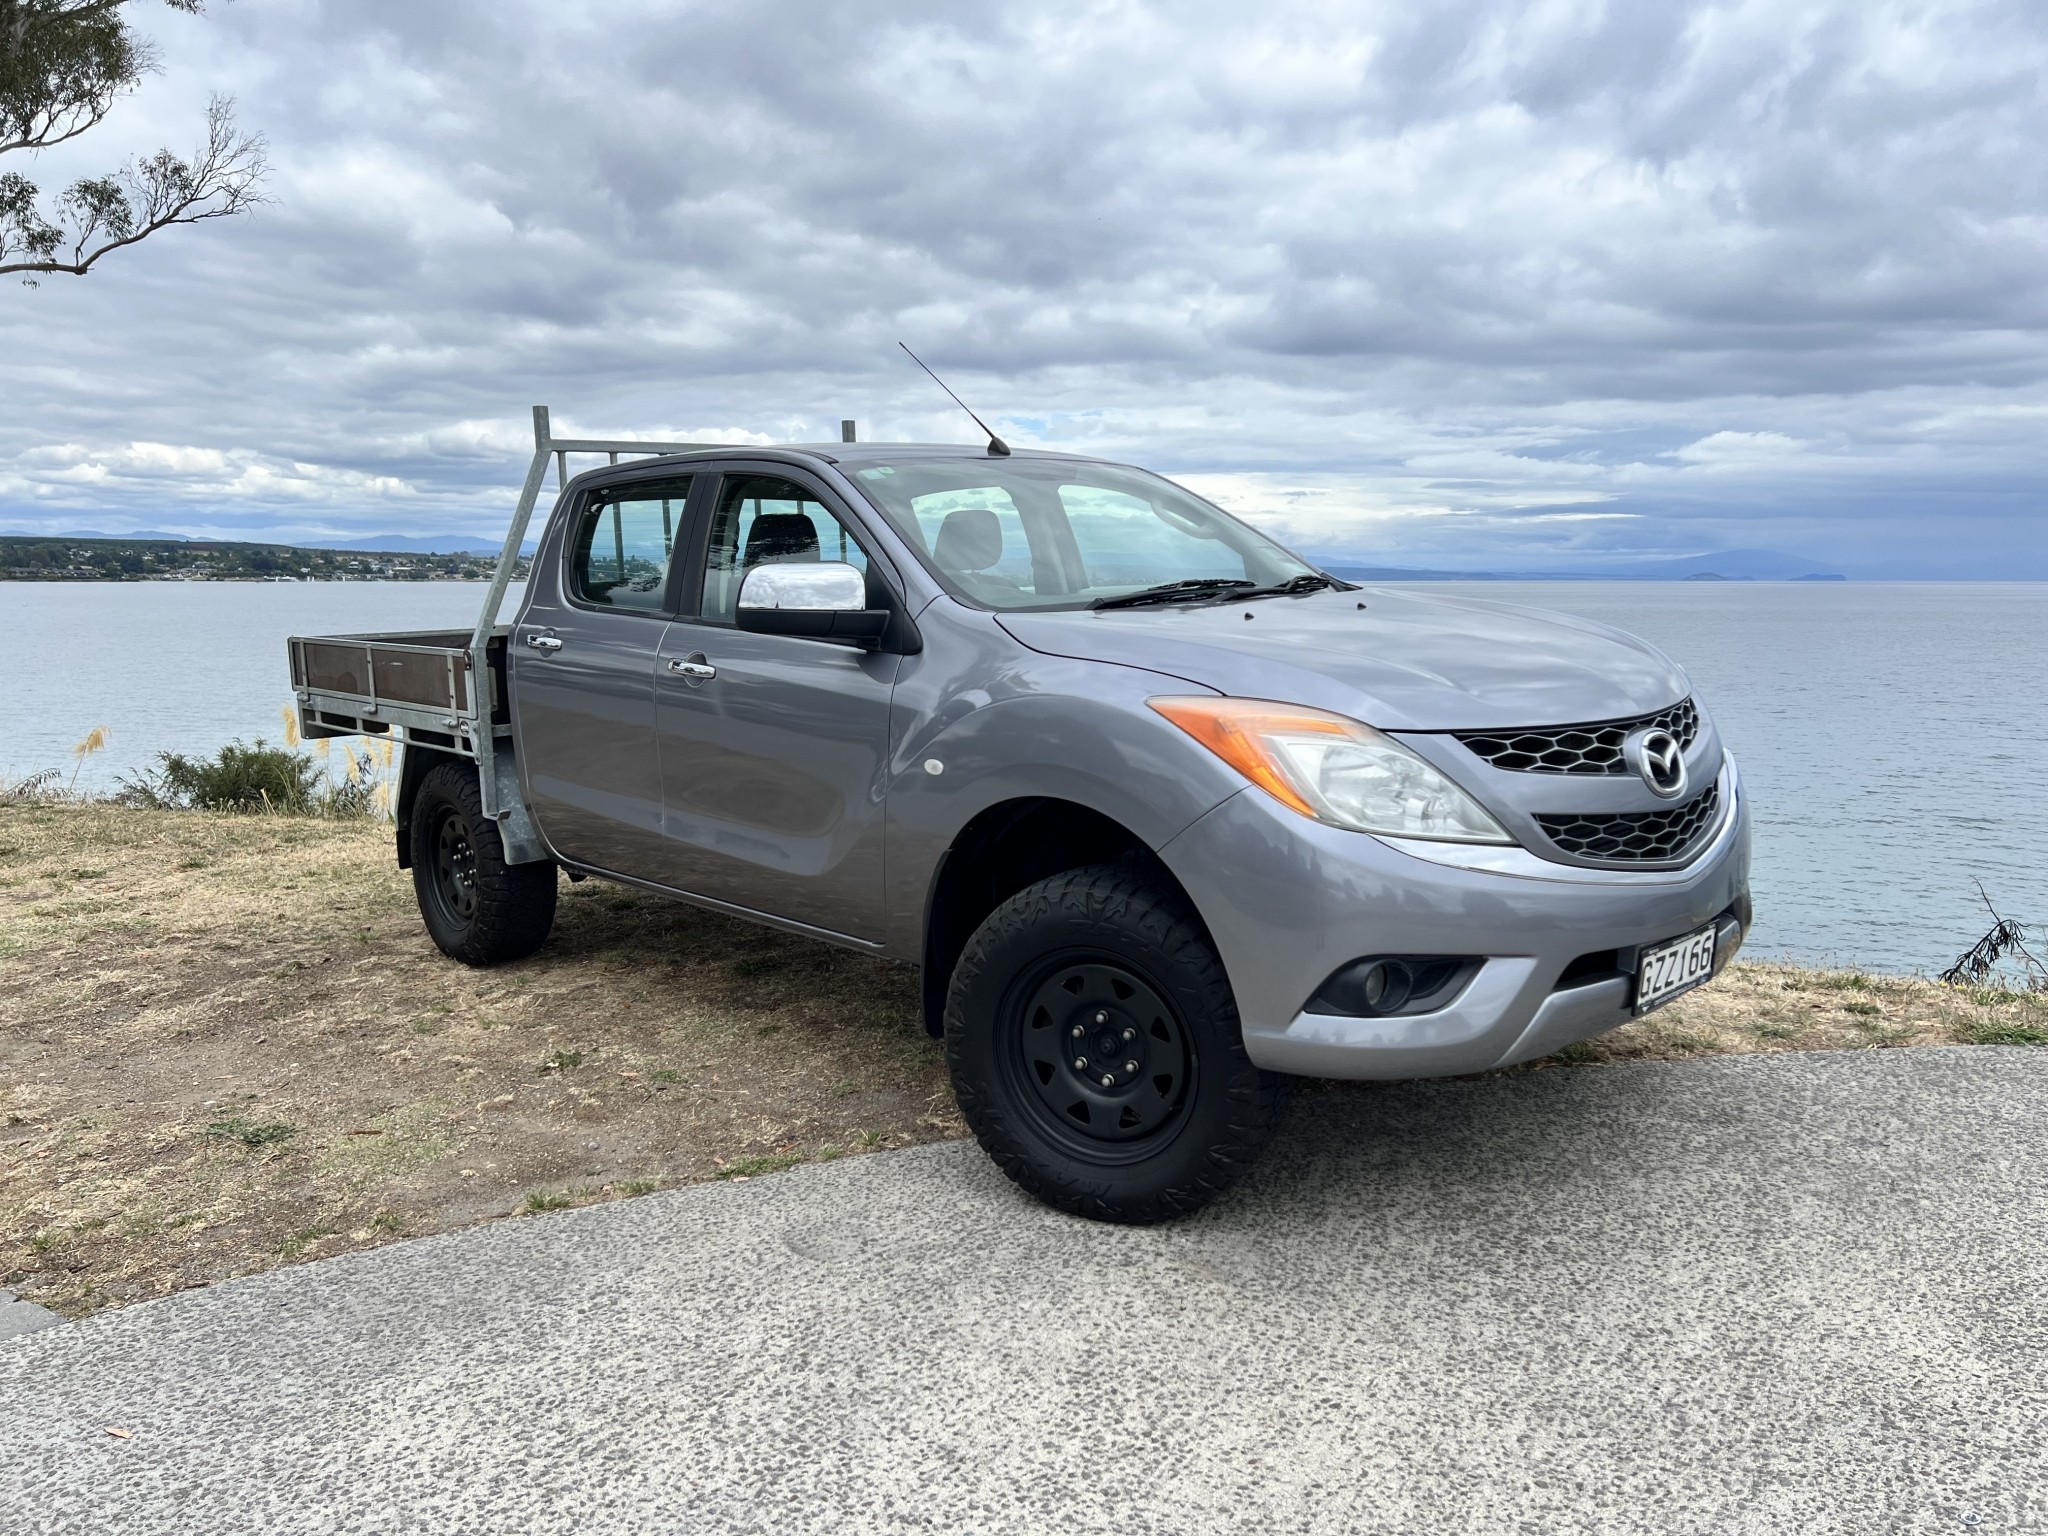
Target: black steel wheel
x=1095 y=1050
x=1103 y=1052
x=478 y=908
x=453 y=888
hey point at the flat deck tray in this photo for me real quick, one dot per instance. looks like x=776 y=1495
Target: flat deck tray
x=428 y=669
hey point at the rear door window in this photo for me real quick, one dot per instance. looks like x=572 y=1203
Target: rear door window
x=619 y=557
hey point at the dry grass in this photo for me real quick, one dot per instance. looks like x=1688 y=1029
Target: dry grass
x=226 y=1044
x=1753 y=1008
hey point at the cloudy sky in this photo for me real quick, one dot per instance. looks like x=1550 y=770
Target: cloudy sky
x=1464 y=284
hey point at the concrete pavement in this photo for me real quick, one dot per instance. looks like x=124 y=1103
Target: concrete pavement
x=1794 y=1293
x=18 y=1317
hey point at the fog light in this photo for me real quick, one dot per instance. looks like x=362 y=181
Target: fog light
x=1380 y=985
x=1384 y=986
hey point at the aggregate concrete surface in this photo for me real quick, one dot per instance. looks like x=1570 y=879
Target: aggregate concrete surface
x=1789 y=1293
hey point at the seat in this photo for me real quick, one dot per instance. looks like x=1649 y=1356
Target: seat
x=781 y=538
x=970 y=541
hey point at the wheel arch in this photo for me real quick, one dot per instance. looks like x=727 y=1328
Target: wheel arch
x=1002 y=849
x=415 y=763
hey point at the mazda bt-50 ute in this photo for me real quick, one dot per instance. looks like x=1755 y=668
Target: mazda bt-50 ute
x=1165 y=813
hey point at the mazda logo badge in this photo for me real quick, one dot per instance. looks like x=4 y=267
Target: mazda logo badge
x=1659 y=761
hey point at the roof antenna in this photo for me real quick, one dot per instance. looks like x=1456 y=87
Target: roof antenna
x=996 y=446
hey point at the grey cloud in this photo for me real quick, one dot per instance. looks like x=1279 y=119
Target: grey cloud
x=1473 y=254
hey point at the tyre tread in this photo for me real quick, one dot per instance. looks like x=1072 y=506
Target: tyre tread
x=1116 y=896
x=515 y=908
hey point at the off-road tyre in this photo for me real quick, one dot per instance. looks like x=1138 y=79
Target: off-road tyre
x=1106 y=943
x=478 y=908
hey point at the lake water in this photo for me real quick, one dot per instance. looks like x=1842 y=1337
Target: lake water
x=1891 y=736
x=170 y=666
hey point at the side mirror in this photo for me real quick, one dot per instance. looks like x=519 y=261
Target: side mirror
x=819 y=600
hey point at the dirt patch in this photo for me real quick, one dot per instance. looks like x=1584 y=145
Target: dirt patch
x=226 y=1044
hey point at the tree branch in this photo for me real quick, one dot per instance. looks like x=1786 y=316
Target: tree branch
x=63 y=63
x=109 y=212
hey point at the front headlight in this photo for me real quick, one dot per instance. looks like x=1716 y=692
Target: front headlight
x=1334 y=769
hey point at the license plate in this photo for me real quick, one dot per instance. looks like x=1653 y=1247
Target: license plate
x=1669 y=969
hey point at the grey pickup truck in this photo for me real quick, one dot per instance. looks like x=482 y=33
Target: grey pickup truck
x=1165 y=814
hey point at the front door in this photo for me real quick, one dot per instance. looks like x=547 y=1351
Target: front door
x=774 y=749
x=583 y=659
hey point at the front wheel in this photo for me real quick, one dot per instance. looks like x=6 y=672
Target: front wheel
x=478 y=908
x=1096 y=1053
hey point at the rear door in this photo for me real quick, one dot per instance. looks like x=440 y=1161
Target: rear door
x=583 y=659
x=773 y=763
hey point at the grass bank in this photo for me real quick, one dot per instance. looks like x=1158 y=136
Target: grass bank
x=226 y=1044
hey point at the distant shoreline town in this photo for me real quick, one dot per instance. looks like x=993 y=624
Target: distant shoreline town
x=61 y=559
x=96 y=557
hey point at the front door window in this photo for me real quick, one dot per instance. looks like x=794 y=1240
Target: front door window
x=767 y=520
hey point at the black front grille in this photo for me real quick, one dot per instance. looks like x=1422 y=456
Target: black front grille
x=1578 y=748
x=1636 y=837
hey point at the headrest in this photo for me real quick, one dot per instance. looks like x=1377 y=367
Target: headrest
x=778 y=537
x=969 y=540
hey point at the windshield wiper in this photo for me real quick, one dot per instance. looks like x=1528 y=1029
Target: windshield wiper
x=1191 y=591
x=1204 y=589
x=1314 y=581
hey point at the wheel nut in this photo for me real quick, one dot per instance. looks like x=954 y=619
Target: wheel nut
x=1079 y=1031
x=1130 y=1066
x=1080 y=1063
x=1130 y=1034
x=1108 y=1081
x=1101 y=1018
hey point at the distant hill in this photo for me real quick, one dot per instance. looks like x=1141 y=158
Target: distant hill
x=1726 y=565
x=153 y=535
x=1729 y=565
x=429 y=543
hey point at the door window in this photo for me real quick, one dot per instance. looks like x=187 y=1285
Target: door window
x=623 y=541
x=767 y=520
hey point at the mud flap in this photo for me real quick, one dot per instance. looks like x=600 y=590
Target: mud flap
x=515 y=823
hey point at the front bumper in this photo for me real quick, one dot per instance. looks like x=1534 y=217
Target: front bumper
x=1289 y=900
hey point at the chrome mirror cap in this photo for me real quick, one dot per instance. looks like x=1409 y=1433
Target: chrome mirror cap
x=829 y=586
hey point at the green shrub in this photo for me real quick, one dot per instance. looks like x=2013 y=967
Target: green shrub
x=249 y=777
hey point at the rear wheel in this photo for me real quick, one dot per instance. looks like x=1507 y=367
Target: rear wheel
x=478 y=908
x=1095 y=1050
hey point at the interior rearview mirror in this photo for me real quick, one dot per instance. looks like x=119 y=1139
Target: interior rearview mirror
x=819 y=599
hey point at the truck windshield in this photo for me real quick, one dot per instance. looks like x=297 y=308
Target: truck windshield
x=1057 y=533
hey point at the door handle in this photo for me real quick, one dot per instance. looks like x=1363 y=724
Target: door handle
x=547 y=643
x=695 y=669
